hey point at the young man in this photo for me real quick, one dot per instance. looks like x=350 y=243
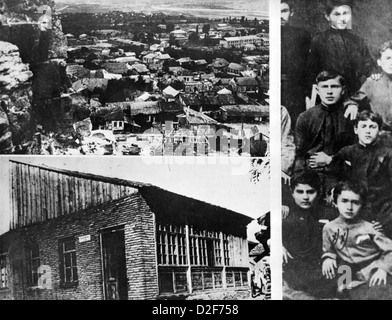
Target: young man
x=377 y=93
x=370 y=162
x=323 y=130
x=339 y=50
x=301 y=235
x=295 y=45
x=353 y=243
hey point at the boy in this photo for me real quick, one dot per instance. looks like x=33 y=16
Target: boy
x=371 y=163
x=378 y=92
x=301 y=235
x=349 y=241
x=323 y=130
x=339 y=50
x=295 y=45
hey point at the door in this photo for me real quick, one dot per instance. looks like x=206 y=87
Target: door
x=114 y=265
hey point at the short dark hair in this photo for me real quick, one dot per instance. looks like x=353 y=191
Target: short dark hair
x=384 y=47
x=329 y=5
x=308 y=177
x=329 y=75
x=350 y=185
x=369 y=115
x=290 y=3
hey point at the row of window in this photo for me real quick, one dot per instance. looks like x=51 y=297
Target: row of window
x=206 y=248
x=3 y=271
x=175 y=281
x=39 y=275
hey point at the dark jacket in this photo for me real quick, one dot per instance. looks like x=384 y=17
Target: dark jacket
x=295 y=46
x=302 y=234
x=321 y=129
x=343 y=52
x=372 y=165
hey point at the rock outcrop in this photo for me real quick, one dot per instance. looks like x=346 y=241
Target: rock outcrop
x=17 y=125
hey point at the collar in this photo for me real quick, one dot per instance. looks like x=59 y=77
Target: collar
x=370 y=146
x=338 y=31
x=349 y=222
x=331 y=108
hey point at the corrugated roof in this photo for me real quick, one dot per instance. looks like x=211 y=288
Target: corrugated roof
x=147 y=107
x=236 y=66
x=198 y=118
x=170 y=107
x=247 y=81
x=171 y=91
x=246 y=110
x=116 y=67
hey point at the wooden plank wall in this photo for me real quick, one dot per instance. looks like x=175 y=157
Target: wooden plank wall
x=238 y=252
x=39 y=194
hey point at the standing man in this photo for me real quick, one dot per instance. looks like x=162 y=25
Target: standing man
x=295 y=46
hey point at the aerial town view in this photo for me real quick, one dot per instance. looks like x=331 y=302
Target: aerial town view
x=161 y=78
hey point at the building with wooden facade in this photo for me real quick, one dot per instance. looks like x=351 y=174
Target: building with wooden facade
x=81 y=236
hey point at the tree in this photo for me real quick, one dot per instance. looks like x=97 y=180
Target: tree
x=206 y=28
x=193 y=37
x=169 y=27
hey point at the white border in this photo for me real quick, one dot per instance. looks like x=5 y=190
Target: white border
x=275 y=129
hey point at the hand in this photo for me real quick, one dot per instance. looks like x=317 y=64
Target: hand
x=379 y=278
x=378 y=226
x=329 y=266
x=286 y=256
x=319 y=159
x=351 y=111
x=285 y=212
x=286 y=178
x=308 y=103
x=376 y=76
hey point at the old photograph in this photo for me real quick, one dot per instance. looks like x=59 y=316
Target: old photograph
x=115 y=77
x=135 y=231
x=336 y=149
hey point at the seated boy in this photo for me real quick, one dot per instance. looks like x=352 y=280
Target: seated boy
x=363 y=254
x=378 y=92
x=301 y=235
x=323 y=130
x=370 y=162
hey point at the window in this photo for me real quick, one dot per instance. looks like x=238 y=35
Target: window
x=68 y=266
x=205 y=248
x=34 y=263
x=171 y=245
x=226 y=250
x=3 y=271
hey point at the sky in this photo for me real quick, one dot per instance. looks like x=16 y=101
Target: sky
x=222 y=181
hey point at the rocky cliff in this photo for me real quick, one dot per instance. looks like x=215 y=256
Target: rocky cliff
x=16 y=122
x=30 y=89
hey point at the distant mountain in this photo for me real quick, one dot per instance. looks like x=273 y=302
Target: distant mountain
x=194 y=7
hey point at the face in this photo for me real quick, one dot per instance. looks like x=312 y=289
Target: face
x=285 y=13
x=340 y=18
x=304 y=196
x=367 y=132
x=349 y=205
x=385 y=62
x=330 y=91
